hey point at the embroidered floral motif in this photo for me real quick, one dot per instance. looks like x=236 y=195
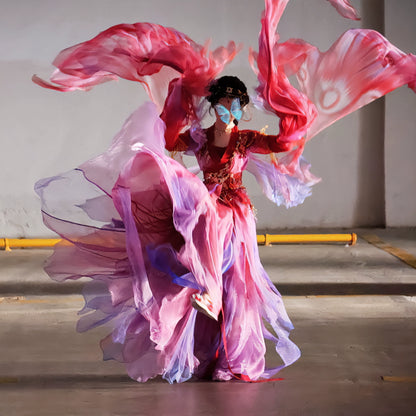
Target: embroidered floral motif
x=243 y=143
x=230 y=184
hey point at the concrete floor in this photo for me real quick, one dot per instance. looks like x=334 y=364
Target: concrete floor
x=358 y=351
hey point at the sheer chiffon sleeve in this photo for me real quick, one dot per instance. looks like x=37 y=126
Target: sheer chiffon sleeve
x=158 y=57
x=359 y=67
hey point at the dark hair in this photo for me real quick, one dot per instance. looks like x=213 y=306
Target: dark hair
x=227 y=86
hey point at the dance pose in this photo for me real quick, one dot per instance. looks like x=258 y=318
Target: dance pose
x=173 y=259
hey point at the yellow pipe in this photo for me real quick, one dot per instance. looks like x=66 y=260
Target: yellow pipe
x=9 y=243
x=266 y=239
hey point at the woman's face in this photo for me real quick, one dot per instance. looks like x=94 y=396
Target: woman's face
x=227 y=103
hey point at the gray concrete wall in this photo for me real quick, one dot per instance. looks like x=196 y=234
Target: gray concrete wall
x=400 y=124
x=44 y=132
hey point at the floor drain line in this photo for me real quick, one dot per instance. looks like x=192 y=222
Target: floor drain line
x=397 y=379
x=401 y=254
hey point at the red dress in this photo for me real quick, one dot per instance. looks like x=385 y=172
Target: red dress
x=160 y=235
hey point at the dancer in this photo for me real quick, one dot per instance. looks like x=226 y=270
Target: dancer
x=160 y=245
x=188 y=246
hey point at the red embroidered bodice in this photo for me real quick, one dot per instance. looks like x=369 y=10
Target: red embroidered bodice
x=223 y=166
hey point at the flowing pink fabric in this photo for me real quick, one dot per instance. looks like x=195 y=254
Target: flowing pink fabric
x=137 y=51
x=293 y=108
x=345 y=9
x=358 y=68
x=156 y=238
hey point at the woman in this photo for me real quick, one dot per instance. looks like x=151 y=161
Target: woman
x=242 y=292
x=210 y=250
x=160 y=245
x=223 y=146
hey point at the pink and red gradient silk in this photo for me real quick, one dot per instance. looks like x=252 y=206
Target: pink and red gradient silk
x=358 y=68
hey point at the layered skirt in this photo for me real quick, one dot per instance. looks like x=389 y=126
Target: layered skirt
x=149 y=234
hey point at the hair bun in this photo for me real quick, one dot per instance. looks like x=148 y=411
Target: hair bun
x=228 y=86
